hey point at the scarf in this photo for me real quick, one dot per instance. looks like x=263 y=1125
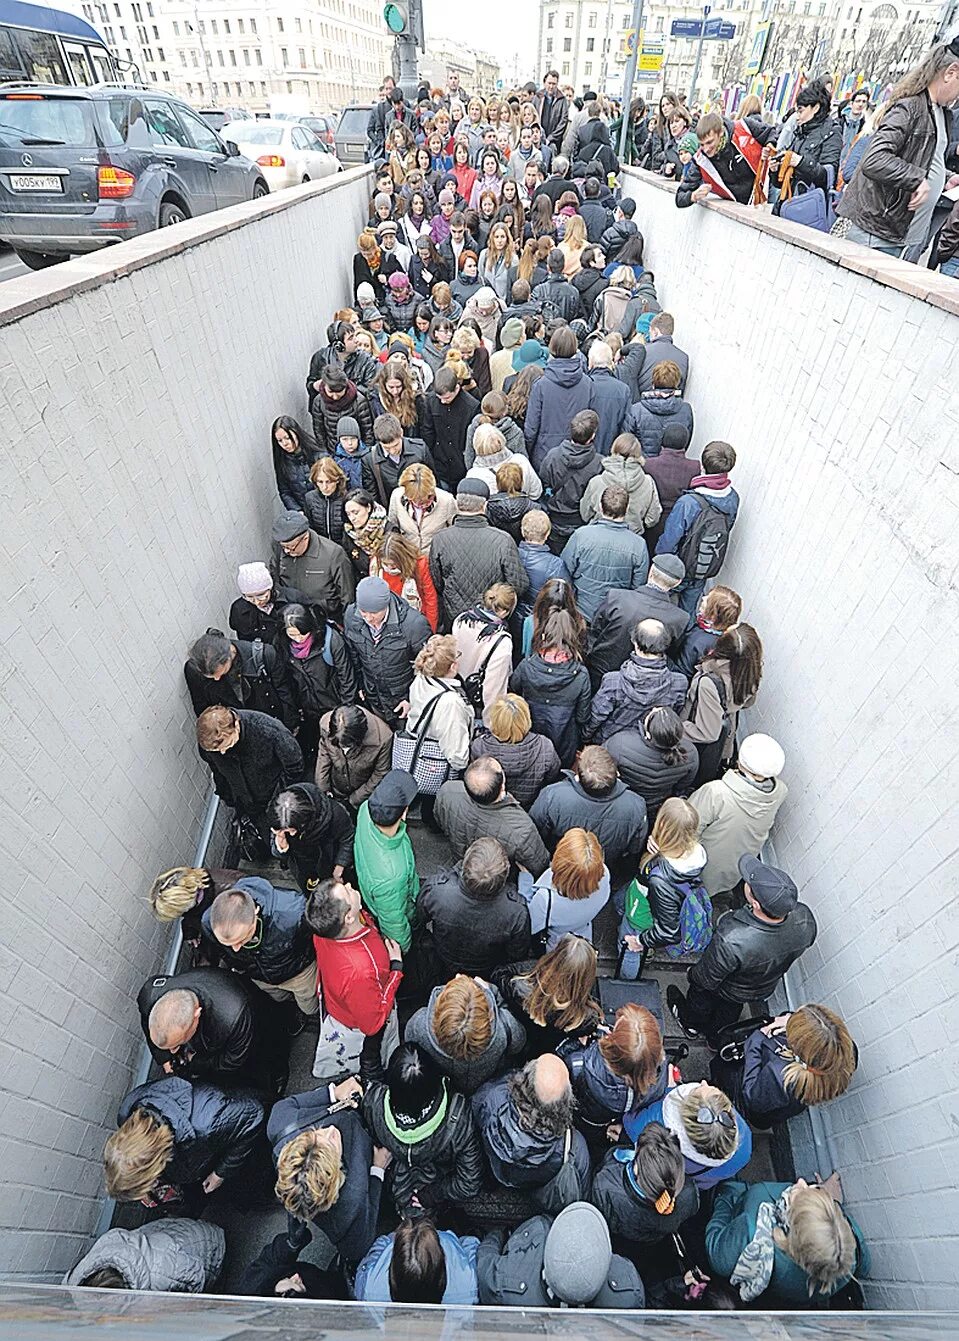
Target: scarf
x=373 y=259
x=302 y=650
x=410 y=1131
x=710 y=482
x=704 y=624
x=753 y=1271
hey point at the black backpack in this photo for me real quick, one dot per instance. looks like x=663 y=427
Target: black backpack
x=704 y=545
x=473 y=684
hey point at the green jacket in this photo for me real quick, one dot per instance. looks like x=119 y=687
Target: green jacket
x=732 y=1226
x=386 y=870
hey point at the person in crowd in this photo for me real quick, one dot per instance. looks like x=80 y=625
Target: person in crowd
x=428 y=1129
x=590 y=282
x=553 y=996
x=395 y=392
x=316 y=567
x=568 y=1263
x=605 y=553
x=596 y=218
x=343 y=351
x=468 y=348
x=529 y=361
x=314 y=832
x=399 y=308
x=484 y=647
x=700 y=523
x=645 y=681
x=738 y=810
x=470 y=557
x=539 y=561
x=358 y=974
x=814 y=136
x=557 y=297
x=643 y=1192
x=619 y=1070
x=624 y=467
x=573 y=245
x=185 y=893
x=279 y=1273
x=552 y=110
x=384 y=635
x=610 y=400
x=364 y=526
x=338 y=398
x=201 y=1025
x=511 y=334
x=328 y=1173
x=525 y=1121
x=496 y=260
x=354 y=754
x=612 y=626
x=667 y=908
x=257 y=613
x=383 y=853
x=714 y=1139
x=406 y=571
x=391 y=454
x=797 y=1061
x=718 y=611
x=251 y=757
x=418 y=509
x=509 y=503
x=318 y=666
x=477 y=921
x=466 y=283
x=655 y=758
x=672 y=472
x=448 y=412
x=528 y=759
x=491 y=452
x=792 y=1245
x=259 y=931
x=391 y=111
x=566 y=470
x=467 y=1031
x=230 y=673
x=751 y=949
x=480 y=805
x=725 y=682
x=439 y=709
x=553 y=679
x=622 y=227
x=662 y=405
x=172 y=1255
x=728 y=159
x=574 y=889
x=323 y=505
x=890 y=201
x=294 y=452
x=177 y=1142
x=419 y=1264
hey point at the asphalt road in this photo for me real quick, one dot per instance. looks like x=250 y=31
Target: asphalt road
x=10 y=266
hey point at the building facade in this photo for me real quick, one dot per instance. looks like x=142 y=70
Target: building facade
x=478 y=71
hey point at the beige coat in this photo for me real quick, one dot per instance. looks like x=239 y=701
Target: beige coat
x=472 y=654
x=422 y=527
x=643 y=510
x=735 y=819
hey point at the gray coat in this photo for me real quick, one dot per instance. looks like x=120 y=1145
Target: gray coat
x=602 y=555
x=510 y=1271
x=463 y=820
x=662 y=350
x=174 y=1254
x=507 y=1041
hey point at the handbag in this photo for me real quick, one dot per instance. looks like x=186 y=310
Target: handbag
x=422 y=757
x=808 y=205
x=564 y=1187
x=473 y=684
x=540 y=941
x=732 y=1039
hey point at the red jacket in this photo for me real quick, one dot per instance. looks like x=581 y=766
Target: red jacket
x=429 y=603
x=355 y=978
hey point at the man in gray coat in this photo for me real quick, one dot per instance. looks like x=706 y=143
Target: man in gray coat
x=605 y=553
x=469 y=556
x=568 y=1262
x=312 y=564
x=480 y=806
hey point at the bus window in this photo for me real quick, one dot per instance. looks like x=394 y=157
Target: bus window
x=103 y=67
x=41 y=52
x=11 y=66
x=79 y=65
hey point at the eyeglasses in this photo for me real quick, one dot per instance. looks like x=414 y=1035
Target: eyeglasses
x=706 y=1117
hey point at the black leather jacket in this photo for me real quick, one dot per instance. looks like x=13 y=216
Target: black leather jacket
x=747 y=958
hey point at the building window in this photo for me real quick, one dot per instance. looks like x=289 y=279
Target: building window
x=258 y=55
x=232 y=57
x=549 y=20
x=284 y=57
x=253 y=26
x=302 y=55
x=239 y=26
x=160 y=56
x=219 y=57
x=569 y=20
x=213 y=28
x=566 y=68
x=549 y=46
x=166 y=76
x=298 y=24
x=226 y=26
x=588 y=68
x=246 y=55
x=279 y=25
x=176 y=30
x=567 y=44
x=591 y=23
x=590 y=43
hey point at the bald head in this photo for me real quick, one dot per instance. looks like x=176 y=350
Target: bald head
x=174 y=1019
x=550 y=1079
x=650 y=638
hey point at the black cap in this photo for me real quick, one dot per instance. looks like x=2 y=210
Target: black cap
x=773 y=889
x=391 y=796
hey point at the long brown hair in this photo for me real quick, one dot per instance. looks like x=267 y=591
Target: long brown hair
x=541 y=218
x=740 y=645
x=402 y=406
x=527 y=261
x=463 y=1019
x=577 y=864
x=824 y=1055
x=556 y=597
x=517 y=399
x=560 y=985
x=400 y=553
x=633 y=1048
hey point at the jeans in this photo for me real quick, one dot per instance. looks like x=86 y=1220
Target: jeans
x=950 y=268
x=631 y=961
x=854 y=234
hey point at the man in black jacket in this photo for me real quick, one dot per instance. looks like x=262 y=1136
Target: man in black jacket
x=390 y=455
x=311 y=564
x=392 y=111
x=336 y=398
x=384 y=635
x=251 y=757
x=557 y=297
x=524 y=1119
x=467 y=558
x=619 y=230
x=477 y=920
x=751 y=949
x=553 y=110
x=611 y=630
x=729 y=169
x=449 y=412
x=458 y=241
x=595 y=214
x=342 y=351
x=238 y=674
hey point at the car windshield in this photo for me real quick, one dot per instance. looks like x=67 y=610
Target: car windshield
x=250 y=133
x=47 y=121
x=353 y=122
x=315 y=123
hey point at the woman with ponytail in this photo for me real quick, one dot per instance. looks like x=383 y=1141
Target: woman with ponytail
x=643 y=1192
x=656 y=759
x=725 y=681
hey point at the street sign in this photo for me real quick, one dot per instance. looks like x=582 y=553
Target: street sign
x=651 y=58
x=694 y=28
x=718 y=28
x=760 y=39
x=685 y=27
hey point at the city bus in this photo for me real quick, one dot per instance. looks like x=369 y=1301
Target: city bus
x=48 y=46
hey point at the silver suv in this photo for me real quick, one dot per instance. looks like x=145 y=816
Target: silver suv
x=81 y=168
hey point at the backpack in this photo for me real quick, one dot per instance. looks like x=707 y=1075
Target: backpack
x=695 y=922
x=615 y=300
x=473 y=684
x=711 y=753
x=549 y=310
x=704 y=545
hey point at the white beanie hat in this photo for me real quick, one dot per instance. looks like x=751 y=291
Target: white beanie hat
x=762 y=755
x=253 y=577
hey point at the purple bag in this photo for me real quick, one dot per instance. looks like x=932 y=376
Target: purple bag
x=810 y=205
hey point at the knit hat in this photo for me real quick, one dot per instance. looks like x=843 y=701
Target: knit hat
x=423 y=242
x=643 y=323
x=773 y=889
x=288 y=526
x=372 y=595
x=688 y=143
x=349 y=428
x=485 y=298
x=578 y=1254
x=762 y=755
x=382 y=201
x=398 y=281
x=670 y=565
x=365 y=295
x=252 y=578
x=478 y=487
x=368 y=314
x=387 y=226
x=391 y=796
x=447 y=198
x=530 y=351
x=512 y=333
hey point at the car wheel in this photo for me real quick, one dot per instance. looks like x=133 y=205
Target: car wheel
x=38 y=260
x=171 y=213
x=260 y=189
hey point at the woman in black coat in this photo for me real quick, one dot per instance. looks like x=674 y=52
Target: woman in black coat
x=316 y=831
x=324 y=504
x=294 y=451
x=657 y=759
x=318 y=664
x=177 y=1134
x=644 y=1194
x=428 y=1128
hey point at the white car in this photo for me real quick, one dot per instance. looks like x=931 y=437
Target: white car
x=285 y=152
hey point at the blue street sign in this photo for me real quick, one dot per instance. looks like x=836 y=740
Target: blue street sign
x=718 y=28
x=693 y=28
x=685 y=27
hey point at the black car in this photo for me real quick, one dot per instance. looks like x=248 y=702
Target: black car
x=81 y=168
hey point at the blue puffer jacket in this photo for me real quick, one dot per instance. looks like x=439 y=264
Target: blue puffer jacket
x=285 y=947
x=601 y=555
x=653 y=413
x=373 y=1274
x=610 y=400
x=562 y=391
x=687 y=509
x=541 y=564
x=604 y=1096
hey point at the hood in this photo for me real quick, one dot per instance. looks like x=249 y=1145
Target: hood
x=663 y=407
x=646 y=681
x=130 y=1251
x=690 y=865
x=577 y=455
x=619 y=787
x=431 y=1007
x=611 y=1090
x=509 y=1143
x=594 y=132
x=751 y=798
x=674 y=1123
x=565 y=372
x=468 y=282
x=619 y=470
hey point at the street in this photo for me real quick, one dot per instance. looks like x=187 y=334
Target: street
x=11 y=266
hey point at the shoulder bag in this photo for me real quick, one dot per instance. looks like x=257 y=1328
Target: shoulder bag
x=421 y=756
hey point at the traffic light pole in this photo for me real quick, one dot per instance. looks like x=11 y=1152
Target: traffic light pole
x=630 y=76
x=404 y=18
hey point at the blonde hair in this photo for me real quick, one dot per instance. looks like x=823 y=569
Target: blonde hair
x=711 y=1139
x=309 y=1176
x=535 y=526
x=136 y=1155
x=824 y=1055
x=575 y=231
x=500 y=599
x=676 y=830
x=820 y=1239
x=175 y=892
x=577 y=864
x=488 y=440
x=418 y=484
x=751 y=106
x=509 y=719
x=624 y=278
x=465 y=340
x=455 y=361
x=437 y=656
x=327 y=469
x=509 y=479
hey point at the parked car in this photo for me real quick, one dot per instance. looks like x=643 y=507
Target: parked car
x=285 y=152
x=321 y=126
x=351 y=133
x=82 y=168
x=218 y=117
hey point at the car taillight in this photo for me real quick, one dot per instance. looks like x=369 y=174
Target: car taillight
x=115 y=183
x=271 y=161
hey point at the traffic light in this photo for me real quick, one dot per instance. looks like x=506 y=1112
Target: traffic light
x=397 y=18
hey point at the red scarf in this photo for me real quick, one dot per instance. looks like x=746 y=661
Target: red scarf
x=710 y=482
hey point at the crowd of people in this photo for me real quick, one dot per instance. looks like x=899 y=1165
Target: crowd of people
x=492 y=610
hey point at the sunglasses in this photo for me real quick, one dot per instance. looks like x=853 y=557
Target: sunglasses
x=706 y=1117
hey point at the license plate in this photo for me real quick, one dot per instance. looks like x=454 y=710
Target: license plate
x=20 y=181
